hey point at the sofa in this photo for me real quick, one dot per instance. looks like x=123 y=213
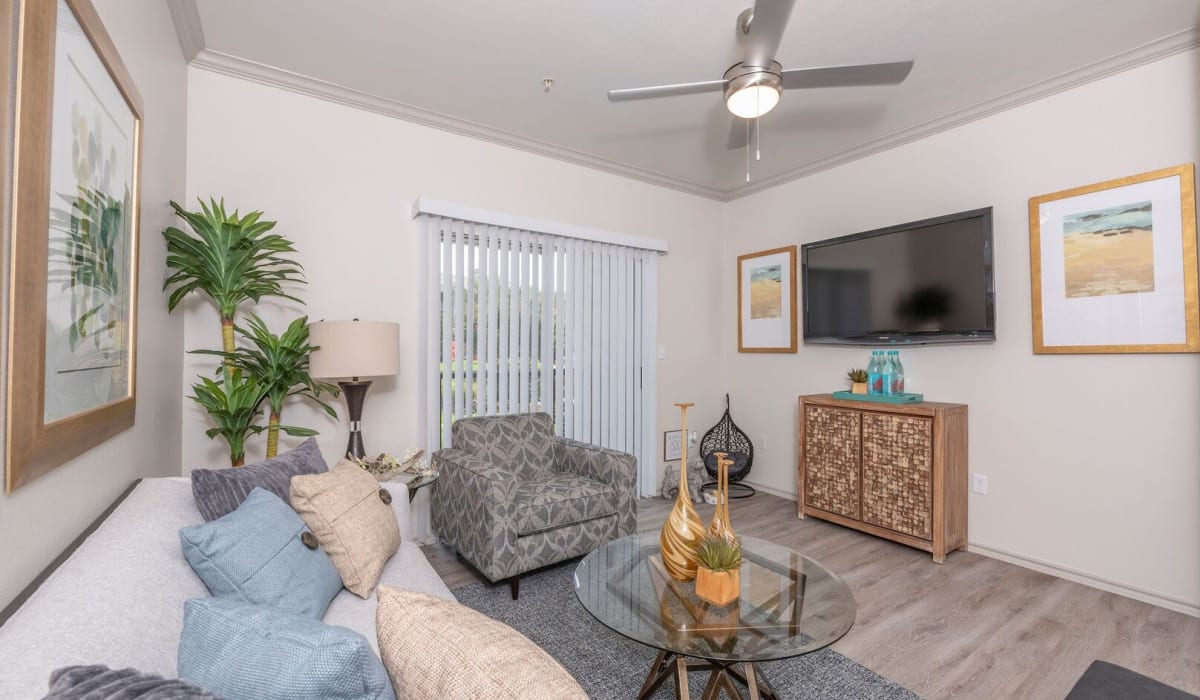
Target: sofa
x=512 y=497
x=118 y=599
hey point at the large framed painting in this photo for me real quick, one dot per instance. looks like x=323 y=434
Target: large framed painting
x=1114 y=266
x=73 y=298
x=767 y=301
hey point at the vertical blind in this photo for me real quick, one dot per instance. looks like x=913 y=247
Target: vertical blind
x=520 y=321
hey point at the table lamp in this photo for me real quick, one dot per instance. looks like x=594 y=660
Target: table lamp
x=347 y=351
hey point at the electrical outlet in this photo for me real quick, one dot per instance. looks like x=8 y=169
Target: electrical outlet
x=692 y=437
x=979 y=484
x=762 y=443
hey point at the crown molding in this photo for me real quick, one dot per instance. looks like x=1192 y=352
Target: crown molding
x=1148 y=53
x=191 y=40
x=226 y=64
x=186 y=18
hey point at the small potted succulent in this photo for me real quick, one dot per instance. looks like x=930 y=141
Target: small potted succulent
x=858 y=381
x=718 y=578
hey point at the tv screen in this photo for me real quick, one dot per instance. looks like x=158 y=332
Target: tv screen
x=922 y=282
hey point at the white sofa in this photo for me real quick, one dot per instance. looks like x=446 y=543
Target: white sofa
x=118 y=599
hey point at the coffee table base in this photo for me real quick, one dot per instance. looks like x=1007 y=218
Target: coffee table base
x=720 y=681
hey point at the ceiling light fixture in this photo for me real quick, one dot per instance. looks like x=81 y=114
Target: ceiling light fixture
x=751 y=92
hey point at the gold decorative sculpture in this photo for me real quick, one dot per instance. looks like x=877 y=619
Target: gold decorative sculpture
x=721 y=525
x=682 y=531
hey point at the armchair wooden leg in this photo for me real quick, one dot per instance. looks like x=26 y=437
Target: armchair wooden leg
x=514 y=584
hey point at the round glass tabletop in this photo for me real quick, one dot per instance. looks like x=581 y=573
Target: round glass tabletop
x=788 y=604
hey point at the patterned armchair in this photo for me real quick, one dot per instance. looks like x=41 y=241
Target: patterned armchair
x=512 y=497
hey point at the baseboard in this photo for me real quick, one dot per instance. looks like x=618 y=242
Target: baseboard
x=1162 y=600
x=773 y=491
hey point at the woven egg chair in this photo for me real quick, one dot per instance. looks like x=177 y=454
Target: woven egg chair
x=727 y=437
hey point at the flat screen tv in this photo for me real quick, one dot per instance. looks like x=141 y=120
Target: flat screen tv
x=922 y=282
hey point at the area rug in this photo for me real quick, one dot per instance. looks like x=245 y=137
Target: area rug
x=612 y=667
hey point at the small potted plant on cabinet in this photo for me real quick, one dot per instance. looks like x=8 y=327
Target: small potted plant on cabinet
x=858 y=381
x=717 y=576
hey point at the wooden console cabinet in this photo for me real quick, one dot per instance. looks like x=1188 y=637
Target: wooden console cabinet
x=897 y=471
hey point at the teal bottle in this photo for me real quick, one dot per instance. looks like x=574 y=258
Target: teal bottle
x=897 y=373
x=886 y=372
x=874 y=380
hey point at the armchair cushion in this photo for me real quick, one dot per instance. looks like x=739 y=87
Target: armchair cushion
x=522 y=444
x=560 y=500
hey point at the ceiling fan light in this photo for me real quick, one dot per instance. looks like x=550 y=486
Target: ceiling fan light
x=753 y=101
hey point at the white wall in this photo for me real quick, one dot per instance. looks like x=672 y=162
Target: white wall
x=1094 y=460
x=40 y=519
x=340 y=182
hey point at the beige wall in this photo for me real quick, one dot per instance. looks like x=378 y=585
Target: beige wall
x=1093 y=460
x=341 y=181
x=40 y=519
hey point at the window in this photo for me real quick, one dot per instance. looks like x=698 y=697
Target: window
x=522 y=321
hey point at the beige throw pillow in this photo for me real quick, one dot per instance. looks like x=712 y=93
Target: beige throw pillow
x=435 y=648
x=351 y=515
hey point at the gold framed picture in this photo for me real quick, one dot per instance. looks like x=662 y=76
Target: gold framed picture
x=767 y=300
x=1114 y=266
x=72 y=336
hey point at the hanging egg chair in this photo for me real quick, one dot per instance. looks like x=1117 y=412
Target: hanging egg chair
x=726 y=437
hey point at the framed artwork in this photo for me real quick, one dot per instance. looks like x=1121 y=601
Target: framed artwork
x=73 y=299
x=767 y=301
x=672 y=445
x=1114 y=266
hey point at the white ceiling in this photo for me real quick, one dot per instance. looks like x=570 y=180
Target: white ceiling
x=481 y=64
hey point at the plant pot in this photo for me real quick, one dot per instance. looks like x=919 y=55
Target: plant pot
x=719 y=588
x=858 y=387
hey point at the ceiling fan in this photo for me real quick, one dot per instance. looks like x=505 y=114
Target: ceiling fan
x=753 y=86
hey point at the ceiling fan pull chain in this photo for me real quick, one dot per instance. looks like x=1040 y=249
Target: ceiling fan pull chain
x=747 y=150
x=757 y=141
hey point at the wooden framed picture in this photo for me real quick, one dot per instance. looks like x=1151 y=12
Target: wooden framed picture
x=767 y=301
x=73 y=300
x=1114 y=266
x=672 y=445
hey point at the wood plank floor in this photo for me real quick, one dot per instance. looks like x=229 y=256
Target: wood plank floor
x=972 y=628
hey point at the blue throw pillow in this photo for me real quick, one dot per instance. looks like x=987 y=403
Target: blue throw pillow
x=247 y=651
x=263 y=553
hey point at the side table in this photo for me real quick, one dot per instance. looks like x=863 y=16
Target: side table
x=416 y=482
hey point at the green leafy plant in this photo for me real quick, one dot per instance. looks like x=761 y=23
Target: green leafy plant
x=716 y=553
x=233 y=404
x=230 y=258
x=279 y=363
x=858 y=376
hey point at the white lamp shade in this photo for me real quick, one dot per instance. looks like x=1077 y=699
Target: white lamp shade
x=354 y=349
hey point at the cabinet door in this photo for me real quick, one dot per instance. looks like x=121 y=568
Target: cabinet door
x=832 y=447
x=898 y=473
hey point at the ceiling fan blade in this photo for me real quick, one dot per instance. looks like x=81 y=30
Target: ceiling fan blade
x=847 y=76
x=644 y=93
x=767 y=22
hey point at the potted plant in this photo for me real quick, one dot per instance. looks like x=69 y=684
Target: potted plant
x=858 y=381
x=717 y=577
x=232 y=403
x=280 y=364
x=231 y=259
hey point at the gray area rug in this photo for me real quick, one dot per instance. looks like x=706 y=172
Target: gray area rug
x=610 y=666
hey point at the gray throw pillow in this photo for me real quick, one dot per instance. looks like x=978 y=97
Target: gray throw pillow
x=221 y=491
x=103 y=683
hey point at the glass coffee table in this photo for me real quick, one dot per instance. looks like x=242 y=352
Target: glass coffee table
x=788 y=605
